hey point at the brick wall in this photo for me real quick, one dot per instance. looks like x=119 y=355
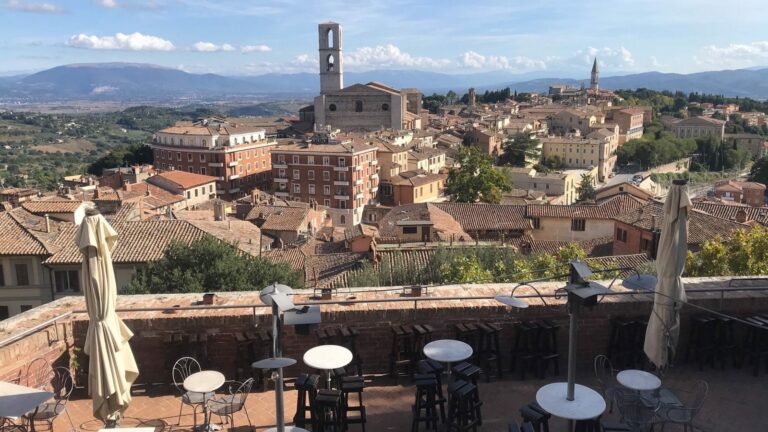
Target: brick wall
x=53 y=343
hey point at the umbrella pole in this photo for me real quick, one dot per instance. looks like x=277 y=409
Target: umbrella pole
x=572 y=336
x=279 y=412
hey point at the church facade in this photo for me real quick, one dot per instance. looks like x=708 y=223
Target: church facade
x=359 y=107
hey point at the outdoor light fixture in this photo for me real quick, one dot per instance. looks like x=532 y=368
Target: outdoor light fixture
x=517 y=302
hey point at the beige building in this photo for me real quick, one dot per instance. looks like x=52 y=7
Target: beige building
x=195 y=188
x=560 y=187
x=696 y=127
x=412 y=187
x=488 y=141
x=756 y=145
x=426 y=159
x=584 y=153
x=570 y=121
x=630 y=123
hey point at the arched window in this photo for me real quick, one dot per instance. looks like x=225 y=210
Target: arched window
x=358 y=106
x=329 y=62
x=332 y=107
x=343 y=219
x=204 y=142
x=385 y=107
x=330 y=37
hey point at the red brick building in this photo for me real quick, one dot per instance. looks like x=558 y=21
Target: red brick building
x=749 y=193
x=341 y=175
x=238 y=156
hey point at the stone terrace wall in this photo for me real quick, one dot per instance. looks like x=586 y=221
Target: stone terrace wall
x=373 y=320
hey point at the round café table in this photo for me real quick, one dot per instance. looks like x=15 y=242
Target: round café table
x=327 y=358
x=205 y=382
x=638 y=380
x=447 y=351
x=586 y=404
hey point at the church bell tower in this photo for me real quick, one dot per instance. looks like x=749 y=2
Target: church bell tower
x=331 y=63
x=595 y=76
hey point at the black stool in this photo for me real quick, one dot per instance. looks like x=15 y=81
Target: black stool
x=326 y=415
x=434 y=368
x=402 y=354
x=591 y=425
x=306 y=391
x=463 y=407
x=348 y=339
x=621 y=342
x=470 y=373
x=725 y=341
x=754 y=348
x=422 y=335
x=534 y=414
x=611 y=426
x=353 y=385
x=425 y=408
x=490 y=354
x=469 y=333
x=701 y=340
x=526 y=349
x=549 y=347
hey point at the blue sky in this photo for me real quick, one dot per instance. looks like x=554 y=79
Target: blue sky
x=549 y=37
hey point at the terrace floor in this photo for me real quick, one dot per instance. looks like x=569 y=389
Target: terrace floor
x=737 y=402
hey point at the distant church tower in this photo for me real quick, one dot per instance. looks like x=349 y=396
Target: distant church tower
x=472 y=96
x=331 y=63
x=595 y=77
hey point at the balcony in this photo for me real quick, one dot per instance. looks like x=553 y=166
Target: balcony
x=234 y=190
x=281 y=180
x=375 y=175
x=341 y=197
x=234 y=176
x=358 y=182
x=280 y=165
x=375 y=162
x=216 y=164
x=358 y=167
x=340 y=183
x=221 y=178
x=736 y=400
x=359 y=196
x=282 y=194
x=231 y=164
x=374 y=189
x=341 y=168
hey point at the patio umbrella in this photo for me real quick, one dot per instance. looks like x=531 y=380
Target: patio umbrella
x=112 y=368
x=663 y=329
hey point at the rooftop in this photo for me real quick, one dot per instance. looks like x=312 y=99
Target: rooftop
x=183 y=179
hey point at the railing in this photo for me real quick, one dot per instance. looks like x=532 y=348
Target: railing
x=352 y=301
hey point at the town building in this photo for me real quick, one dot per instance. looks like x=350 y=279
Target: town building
x=16 y=196
x=696 y=127
x=340 y=175
x=369 y=106
x=488 y=141
x=559 y=186
x=238 y=156
x=597 y=152
x=630 y=121
x=749 y=193
x=426 y=159
x=287 y=224
x=195 y=188
x=416 y=186
x=756 y=145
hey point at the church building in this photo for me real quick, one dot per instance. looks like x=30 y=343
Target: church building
x=359 y=107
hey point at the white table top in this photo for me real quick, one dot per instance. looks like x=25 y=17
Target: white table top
x=638 y=380
x=447 y=350
x=327 y=357
x=204 y=381
x=586 y=404
x=16 y=400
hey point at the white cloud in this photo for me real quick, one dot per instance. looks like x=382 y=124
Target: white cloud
x=654 y=61
x=108 y=3
x=31 y=7
x=608 y=58
x=474 y=60
x=734 y=55
x=121 y=41
x=211 y=47
x=255 y=48
x=389 y=57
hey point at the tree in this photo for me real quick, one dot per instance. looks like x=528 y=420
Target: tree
x=553 y=162
x=451 y=96
x=476 y=179
x=206 y=265
x=745 y=253
x=586 y=188
x=123 y=156
x=519 y=149
x=466 y=269
x=759 y=171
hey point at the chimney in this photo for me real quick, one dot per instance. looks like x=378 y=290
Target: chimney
x=47 y=223
x=219 y=210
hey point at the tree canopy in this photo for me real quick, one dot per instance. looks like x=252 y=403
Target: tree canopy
x=519 y=149
x=759 y=171
x=744 y=253
x=586 y=188
x=476 y=179
x=136 y=154
x=209 y=265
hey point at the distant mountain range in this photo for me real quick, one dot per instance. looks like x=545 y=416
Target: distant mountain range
x=132 y=81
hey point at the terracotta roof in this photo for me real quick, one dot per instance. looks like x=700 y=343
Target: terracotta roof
x=487 y=217
x=40 y=207
x=607 y=209
x=701 y=226
x=699 y=121
x=183 y=179
x=293 y=256
x=728 y=212
x=360 y=230
x=594 y=247
x=16 y=240
x=444 y=225
x=414 y=178
x=278 y=218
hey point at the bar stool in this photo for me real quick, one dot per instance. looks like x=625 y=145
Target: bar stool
x=591 y=425
x=348 y=339
x=306 y=391
x=463 y=408
x=353 y=385
x=469 y=333
x=425 y=408
x=534 y=414
x=326 y=415
x=434 y=368
x=701 y=340
x=725 y=341
x=754 y=347
x=422 y=335
x=402 y=354
x=470 y=373
x=621 y=342
x=526 y=349
x=490 y=354
x=549 y=347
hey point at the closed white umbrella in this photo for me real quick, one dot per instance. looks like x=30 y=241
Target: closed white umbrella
x=112 y=368
x=663 y=330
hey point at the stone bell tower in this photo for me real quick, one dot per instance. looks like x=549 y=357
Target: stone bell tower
x=331 y=63
x=593 y=85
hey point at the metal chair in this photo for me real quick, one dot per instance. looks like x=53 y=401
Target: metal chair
x=634 y=412
x=183 y=368
x=39 y=374
x=606 y=378
x=227 y=406
x=62 y=385
x=685 y=413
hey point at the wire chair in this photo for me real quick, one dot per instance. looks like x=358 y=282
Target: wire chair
x=685 y=413
x=634 y=411
x=606 y=378
x=183 y=368
x=227 y=406
x=62 y=386
x=39 y=374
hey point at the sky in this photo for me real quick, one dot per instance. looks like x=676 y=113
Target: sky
x=557 y=38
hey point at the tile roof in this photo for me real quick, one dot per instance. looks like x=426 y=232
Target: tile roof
x=279 y=218
x=728 y=212
x=607 y=209
x=40 y=207
x=701 y=226
x=420 y=178
x=16 y=240
x=593 y=247
x=183 y=179
x=487 y=217
x=293 y=256
x=442 y=223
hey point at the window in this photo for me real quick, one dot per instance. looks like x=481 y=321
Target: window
x=326 y=160
x=281 y=173
x=578 y=225
x=332 y=107
x=645 y=244
x=410 y=230
x=311 y=189
x=22 y=274
x=385 y=107
x=178 y=156
x=67 y=280
x=342 y=218
x=621 y=235
x=296 y=174
x=342 y=205
x=311 y=174
x=210 y=189
x=205 y=142
x=310 y=160
x=189 y=157
x=326 y=175
x=342 y=176
x=358 y=106
x=281 y=159
x=25 y=308
x=342 y=162
x=247 y=167
x=295 y=159
x=536 y=222
x=263 y=164
x=327 y=202
x=4 y=314
x=190 y=169
x=326 y=190
x=296 y=188
x=197 y=192
x=2 y=277
x=240 y=156
x=202 y=157
x=189 y=194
